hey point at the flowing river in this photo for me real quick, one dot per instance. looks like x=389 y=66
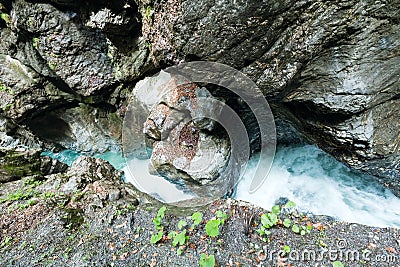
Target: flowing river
x=314 y=180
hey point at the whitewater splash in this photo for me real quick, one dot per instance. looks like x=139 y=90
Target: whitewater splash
x=314 y=180
x=319 y=184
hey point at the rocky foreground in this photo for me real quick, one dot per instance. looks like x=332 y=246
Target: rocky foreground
x=329 y=69
x=87 y=217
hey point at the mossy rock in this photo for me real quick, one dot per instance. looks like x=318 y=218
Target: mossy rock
x=17 y=164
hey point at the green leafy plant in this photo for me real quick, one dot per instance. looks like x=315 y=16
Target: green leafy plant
x=302 y=230
x=148 y=12
x=178 y=238
x=48 y=195
x=4 y=88
x=32 y=182
x=290 y=204
x=179 y=252
x=212 y=226
x=157 y=223
x=207 y=261
x=20 y=195
x=7 y=106
x=6 y=242
x=269 y=220
x=52 y=65
x=296 y=228
x=221 y=216
x=181 y=224
x=197 y=217
x=29 y=202
x=5 y=17
x=337 y=264
x=160 y=215
x=35 y=42
x=286 y=249
x=156 y=237
x=287 y=223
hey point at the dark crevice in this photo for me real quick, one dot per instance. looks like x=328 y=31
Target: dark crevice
x=50 y=128
x=309 y=111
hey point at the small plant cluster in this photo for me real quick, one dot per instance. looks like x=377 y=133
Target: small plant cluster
x=6 y=242
x=207 y=261
x=337 y=264
x=212 y=226
x=179 y=237
x=27 y=193
x=4 y=88
x=5 y=17
x=271 y=219
x=157 y=223
x=35 y=42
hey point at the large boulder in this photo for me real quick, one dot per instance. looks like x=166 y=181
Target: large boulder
x=166 y=118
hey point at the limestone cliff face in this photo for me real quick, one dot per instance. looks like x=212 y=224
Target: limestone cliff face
x=328 y=68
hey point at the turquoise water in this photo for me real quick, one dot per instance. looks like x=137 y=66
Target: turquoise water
x=69 y=156
x=314 y=180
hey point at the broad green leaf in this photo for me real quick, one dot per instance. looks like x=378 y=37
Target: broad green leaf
x=156 y=237
x=161 y=212
x=221 y=215
x=287 y=223
x=273 y=218
x=296 y=229
x=265 y=221
x=179 y=252
x=172 y=234
x=290 y=205
x=181 y=224
x=212 y=228
x=157 y=221
x=337 y=264
x=197 y=217
x=179 y=238
x=276 y=209
x=207 y=261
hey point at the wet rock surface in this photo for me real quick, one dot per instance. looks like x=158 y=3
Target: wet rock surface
x=57 y=55
x=331 y=67
x=18 y=163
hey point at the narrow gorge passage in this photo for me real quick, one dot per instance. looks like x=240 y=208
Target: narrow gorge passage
x=316 y=182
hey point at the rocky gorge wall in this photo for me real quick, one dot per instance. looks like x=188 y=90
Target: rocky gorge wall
x=329 y=69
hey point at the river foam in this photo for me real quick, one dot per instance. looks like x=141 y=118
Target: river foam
x=319 y=184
